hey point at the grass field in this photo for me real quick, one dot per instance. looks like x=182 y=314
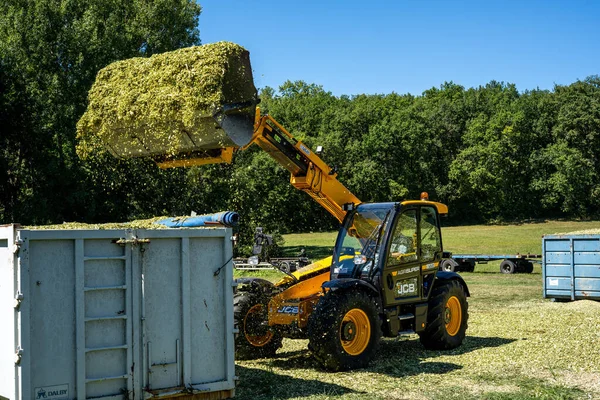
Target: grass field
x=518 y=345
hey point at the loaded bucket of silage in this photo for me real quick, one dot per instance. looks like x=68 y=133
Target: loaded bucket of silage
x=180 y=104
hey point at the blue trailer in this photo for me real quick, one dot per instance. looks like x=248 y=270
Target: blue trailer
x=571 y=266
x=511 y=263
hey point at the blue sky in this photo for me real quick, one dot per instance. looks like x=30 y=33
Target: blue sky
x=353 y=47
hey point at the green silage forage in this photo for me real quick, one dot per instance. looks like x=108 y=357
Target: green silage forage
x=164 y=104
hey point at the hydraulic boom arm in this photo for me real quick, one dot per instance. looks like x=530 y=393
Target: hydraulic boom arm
x=308 y=172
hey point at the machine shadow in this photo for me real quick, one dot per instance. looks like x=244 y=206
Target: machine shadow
x=255 y=383
x=402 y=358
x=397 y=357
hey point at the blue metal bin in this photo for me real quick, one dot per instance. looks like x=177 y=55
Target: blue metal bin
x=571 y=266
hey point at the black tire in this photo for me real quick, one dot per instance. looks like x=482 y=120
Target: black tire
x=447 y=317
x=448 y=264
x=508 y=267
x=467 y=266
x=529 y=267
x=255 y=338
x=285 y=267
x=344 y=330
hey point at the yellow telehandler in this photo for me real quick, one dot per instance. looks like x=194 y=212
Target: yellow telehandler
x=382 y=279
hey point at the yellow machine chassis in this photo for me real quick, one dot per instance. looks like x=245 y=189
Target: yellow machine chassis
x=301 y=296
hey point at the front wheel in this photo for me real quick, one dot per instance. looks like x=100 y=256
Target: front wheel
x=447 y=317
x=344 y=330
x=256 y=339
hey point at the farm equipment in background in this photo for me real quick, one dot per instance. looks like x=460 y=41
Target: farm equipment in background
x=261 y=259
x=511 y=263
x=383 y=276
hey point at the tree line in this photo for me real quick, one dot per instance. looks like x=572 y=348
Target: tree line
x=492 y=153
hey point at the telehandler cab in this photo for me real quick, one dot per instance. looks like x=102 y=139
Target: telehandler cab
x=383 y=277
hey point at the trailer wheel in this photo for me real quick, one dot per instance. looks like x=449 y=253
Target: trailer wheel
x=467 y=266
x=256 y=339
x=508 y=267
x=448 y=264
x=529 y=267
x=447 y=317
x=344 y=330
x=285 y=267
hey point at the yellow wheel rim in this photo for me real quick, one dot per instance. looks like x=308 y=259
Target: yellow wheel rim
x=255 y=332
x=453 y=316
x=355 y=332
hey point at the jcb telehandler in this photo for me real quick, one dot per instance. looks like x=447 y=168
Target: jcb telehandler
x=382 y=279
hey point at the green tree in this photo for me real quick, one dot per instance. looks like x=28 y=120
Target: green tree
x=567 y=176
x=52 y=50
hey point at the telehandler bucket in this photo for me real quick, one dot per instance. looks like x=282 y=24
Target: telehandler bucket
x=186 y=104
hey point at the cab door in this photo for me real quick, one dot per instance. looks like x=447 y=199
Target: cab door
x=414 y=244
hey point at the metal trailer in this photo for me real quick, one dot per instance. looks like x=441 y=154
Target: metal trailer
x=571 y=267
x=290 y=264
x=511 y=263
x=285 y=264
x=116 y=314
x=243 y=265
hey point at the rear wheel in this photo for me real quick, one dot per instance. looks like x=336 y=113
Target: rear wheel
x=446 y=317
x=529 y=267
x=467 y=266
x=344 y=330
x=525 y=266
x=256 y=339
x=508 y=267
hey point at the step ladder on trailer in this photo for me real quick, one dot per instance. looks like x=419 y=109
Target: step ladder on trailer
x=103 y=315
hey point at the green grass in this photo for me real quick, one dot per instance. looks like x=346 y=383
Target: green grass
x=317 y=245
x=518 y=345
x=502 y=239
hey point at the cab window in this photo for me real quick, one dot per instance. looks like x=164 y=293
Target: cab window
x=403 y=247
x=430 y=234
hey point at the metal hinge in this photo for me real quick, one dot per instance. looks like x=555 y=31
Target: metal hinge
x=18 y=300
x=18 y=355
x=17 y=246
